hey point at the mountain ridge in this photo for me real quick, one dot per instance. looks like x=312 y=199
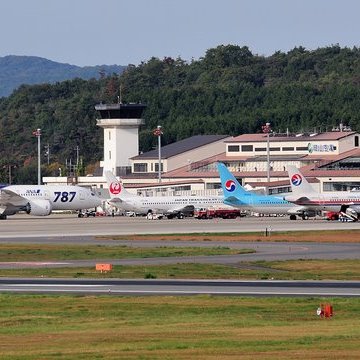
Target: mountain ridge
x=16 y=70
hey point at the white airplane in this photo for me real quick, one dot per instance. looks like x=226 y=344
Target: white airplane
x=237 y=196
x=41 y=200
x=170 y=206
x=304 y=194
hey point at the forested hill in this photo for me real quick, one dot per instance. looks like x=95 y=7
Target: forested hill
x=18 y=70
x=228 y=91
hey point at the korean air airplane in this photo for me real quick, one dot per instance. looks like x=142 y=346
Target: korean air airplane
x=346 y=202
x=171 y=206
x=235 y=195
x=41 y=200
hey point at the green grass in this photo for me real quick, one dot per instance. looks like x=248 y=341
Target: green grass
x=280 y=270
x=199 y=327
x=36 y=327
x=20 y=252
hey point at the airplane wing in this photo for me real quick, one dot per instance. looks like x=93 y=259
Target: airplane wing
x=233 y=200
x=8 y=197
x=297 y=200
x=115 y=201
x=11 y=202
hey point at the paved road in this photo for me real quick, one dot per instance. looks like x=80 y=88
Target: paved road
x=69 y=225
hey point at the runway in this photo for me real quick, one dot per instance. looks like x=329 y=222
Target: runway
x=181 y=287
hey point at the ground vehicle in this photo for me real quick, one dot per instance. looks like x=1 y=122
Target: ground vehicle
x=203 y=213
x=332 y=215
x=153 y=216
x=348 y=215
x=87 y=213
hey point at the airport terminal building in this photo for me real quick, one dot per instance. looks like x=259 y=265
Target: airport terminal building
x=330 y=160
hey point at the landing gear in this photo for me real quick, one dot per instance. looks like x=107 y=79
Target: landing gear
x=292 y=217
x=3 y=217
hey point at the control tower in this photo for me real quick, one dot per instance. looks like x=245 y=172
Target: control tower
x=121 y=124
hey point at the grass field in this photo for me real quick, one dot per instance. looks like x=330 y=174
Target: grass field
x=283 y=236
x=199 y=327
x=281 y=270
x=32 y=252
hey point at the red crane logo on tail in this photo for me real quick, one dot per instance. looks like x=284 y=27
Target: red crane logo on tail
x=115 y=188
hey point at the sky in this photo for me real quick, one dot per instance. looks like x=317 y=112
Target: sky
x=107 y=32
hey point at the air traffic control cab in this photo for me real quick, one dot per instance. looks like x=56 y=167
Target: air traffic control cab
x=121 y=124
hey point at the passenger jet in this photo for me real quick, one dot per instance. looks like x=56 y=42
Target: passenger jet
x=235 y=195
x=41 y=200
x=170 y=206
x=347 y=203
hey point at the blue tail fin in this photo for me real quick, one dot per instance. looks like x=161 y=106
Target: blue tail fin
x=232 y=190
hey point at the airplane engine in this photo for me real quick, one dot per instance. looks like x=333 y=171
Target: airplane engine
x=310 y=213
x=38 y=207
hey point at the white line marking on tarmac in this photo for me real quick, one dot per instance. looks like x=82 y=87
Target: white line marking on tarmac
x=181 y=292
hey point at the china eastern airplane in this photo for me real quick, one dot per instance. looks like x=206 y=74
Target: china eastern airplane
x=236 y=196
x=41 y=200
x=304 y=194
x=170 y=206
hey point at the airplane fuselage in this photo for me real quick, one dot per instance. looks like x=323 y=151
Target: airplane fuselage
x=168 y=204
x=264 y=204
x=43 y=199
x=331 y=202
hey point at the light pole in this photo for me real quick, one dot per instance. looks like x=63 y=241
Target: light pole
x=37 y=133
x=158 y=132
x=267 y=129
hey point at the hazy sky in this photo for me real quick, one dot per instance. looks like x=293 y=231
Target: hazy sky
x=96 y=32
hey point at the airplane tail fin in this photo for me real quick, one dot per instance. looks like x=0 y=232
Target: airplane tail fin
x=231 y=188
x=298 y=182
x=116 y=188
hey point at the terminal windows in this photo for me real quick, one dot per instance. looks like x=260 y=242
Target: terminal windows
x=157 y=167
x=247 y=148
x=233 y=148
x=140 y=167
